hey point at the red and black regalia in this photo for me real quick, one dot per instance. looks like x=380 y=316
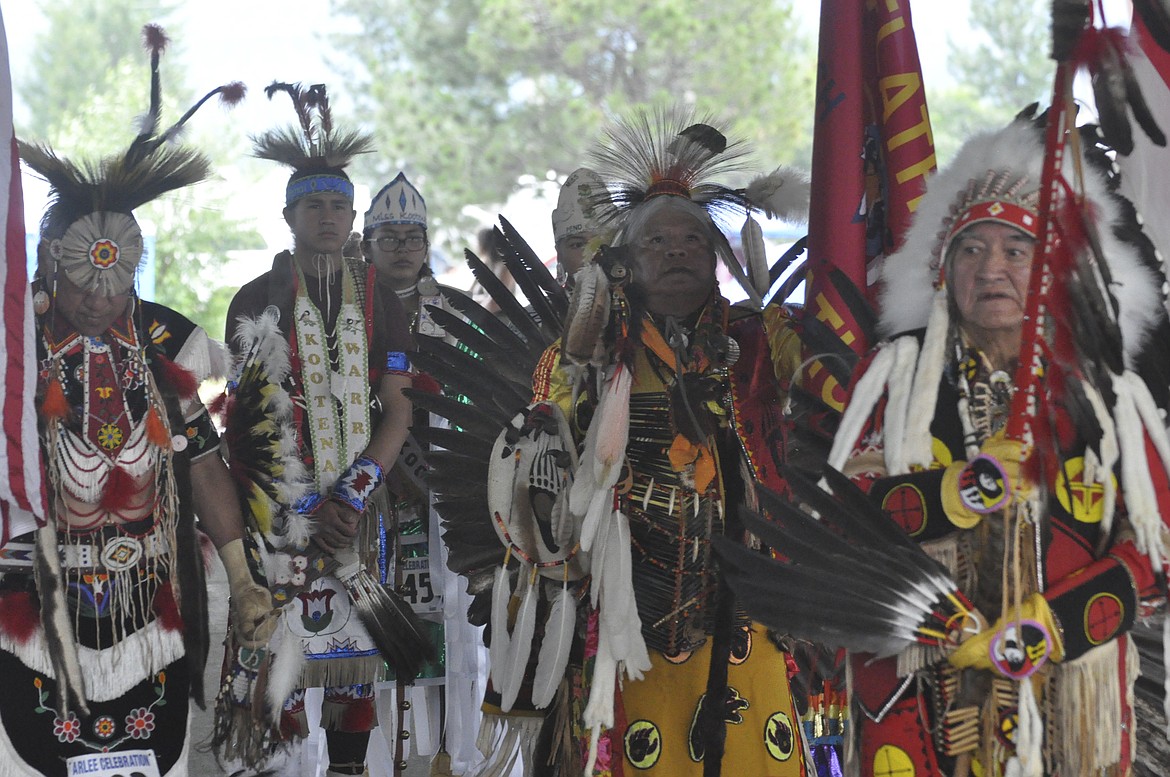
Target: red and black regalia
x=1060 y=579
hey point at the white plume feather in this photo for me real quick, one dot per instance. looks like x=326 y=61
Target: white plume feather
x=629 y=646
x=612 y=427
x=521 y=641
x=298 y=529
x=284 y=676
x=600 y=550
x=782 y=193
x=595 y=515
x=554 y=650
x=501 y=640
x=751 y=238
x=584 y=485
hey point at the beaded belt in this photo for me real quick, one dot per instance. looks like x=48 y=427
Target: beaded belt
x=116 y=554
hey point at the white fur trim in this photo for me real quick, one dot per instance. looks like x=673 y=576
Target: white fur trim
x=898 y=405
x=1166 y=679
x=931 y=359
x=110 y=672
x=1133 y=412
x=866 y=394
x=1029 y=758
x=1109 y=454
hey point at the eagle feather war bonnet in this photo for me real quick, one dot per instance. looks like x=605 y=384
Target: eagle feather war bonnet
x=996 y=176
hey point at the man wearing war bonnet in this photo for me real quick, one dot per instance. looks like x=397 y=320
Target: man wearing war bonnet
x=103 y=621
x=343 y=339
x=1058 y=559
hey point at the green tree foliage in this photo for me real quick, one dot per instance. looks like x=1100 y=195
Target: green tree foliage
x=95 y=116
x=1000 y=64
x=468 y=96
x=82 y=42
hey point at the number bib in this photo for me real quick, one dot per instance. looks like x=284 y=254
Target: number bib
x=418 y=588
x=126 y=763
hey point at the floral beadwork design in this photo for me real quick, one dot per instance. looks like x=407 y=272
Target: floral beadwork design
x=105 y=727
x=139 y=723
x=103 y=254
x=110 y=436
x=67 y=729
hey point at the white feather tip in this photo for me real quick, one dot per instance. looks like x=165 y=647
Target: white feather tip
x=783 y=193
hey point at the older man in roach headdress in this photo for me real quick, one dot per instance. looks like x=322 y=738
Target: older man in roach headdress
x=103 y=622
x=675 y=397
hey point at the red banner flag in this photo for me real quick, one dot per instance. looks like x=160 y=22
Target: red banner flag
x=22 y=489
x=872 y=149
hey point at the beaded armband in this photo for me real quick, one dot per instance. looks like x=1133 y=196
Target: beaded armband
x=199 y=436
x=358 y=482
x=397 y=363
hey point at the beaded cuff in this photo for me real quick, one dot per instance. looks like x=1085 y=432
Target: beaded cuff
x=358 y=482
x=397 y=363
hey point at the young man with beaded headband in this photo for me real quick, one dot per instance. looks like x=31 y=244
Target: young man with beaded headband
x=675 y=398
x=103 y=631
x=344 y=338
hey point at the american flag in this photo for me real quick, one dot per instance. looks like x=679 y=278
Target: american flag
x=22 y=489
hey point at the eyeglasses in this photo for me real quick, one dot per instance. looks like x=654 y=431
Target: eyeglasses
x=389 y=243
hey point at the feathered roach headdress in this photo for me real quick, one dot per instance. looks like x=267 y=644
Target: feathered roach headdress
x=89 y=221
x=316 y=151
x=671 y=153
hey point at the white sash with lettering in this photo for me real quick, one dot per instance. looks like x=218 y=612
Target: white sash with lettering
x=337 y=402
x=338 y=410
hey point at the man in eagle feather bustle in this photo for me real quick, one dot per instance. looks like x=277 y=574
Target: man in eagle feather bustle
x=103 y=618
x=675 y=398
x=1041 y=680
x=332 y=344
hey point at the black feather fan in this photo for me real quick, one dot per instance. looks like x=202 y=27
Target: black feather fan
x=847 y=578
